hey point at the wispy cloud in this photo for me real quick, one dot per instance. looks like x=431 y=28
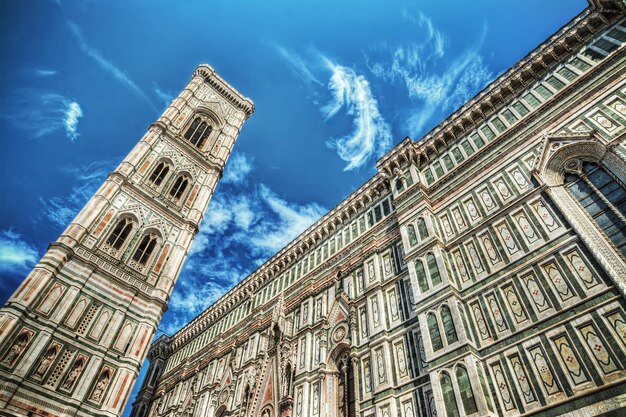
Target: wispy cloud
x=290 y=220
x=43 y=113
x=237 y=169
x=350 y=91
x=244 y=226
x=298 y=66
x=44 y=72
x=371 y=135
x=61 y=210
x=432 y=82
x=16 y=255
x=107 y=65
x=165 y=97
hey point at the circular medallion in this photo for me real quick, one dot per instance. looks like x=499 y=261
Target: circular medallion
x=223 y=396
x=339 y=334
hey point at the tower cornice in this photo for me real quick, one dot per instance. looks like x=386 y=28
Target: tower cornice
x=226 y=90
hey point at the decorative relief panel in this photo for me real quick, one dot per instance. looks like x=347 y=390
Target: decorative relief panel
x=543 y=370
x=523 y=384
x=504 y=391
x=570 y=360
x=597 y=348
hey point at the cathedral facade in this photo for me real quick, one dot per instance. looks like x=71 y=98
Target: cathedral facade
x=480 y=272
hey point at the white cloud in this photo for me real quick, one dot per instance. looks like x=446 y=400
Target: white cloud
x=371 y=136
x=107 y=65
x=432 y=82
x=16 y=255
x=237 y=169
x=297 y=65
x=291 y=220
x=72 y=114
x=43 y=113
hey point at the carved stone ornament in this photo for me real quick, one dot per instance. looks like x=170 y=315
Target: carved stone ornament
x=339 y=333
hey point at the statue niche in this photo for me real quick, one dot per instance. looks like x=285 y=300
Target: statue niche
x=345 y=398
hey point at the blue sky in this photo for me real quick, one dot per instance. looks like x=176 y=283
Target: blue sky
x=336 y=84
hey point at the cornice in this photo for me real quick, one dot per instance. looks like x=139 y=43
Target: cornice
x=503 y=89
x=321 y=277
x=344 y=212
x=224 y=89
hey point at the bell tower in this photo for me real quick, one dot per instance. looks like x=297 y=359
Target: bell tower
x=75 y=333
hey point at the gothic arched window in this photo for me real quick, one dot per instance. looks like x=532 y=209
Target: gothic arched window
x=410 y=230
x=448 y=325
x=433 y=269
x=179 y=187
x=145 y=248
x=155 y=376
x=198 y=132
x=120 y=233
x=604 y=200
x=435 y=334
x=452 y=410
x=465 y=389
x=399 y=185
x=159 y=173
x=421 y=275
x=421 y=228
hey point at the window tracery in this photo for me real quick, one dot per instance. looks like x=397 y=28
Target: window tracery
x=604 y=200
x=159 y=173
x=198 y=132
x=179 y=187
x=120 y=233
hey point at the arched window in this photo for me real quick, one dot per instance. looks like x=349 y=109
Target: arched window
x=421 y=228
x=433 y=330
x=604 y=199
x=465 y=389
x=198 y=132
x=159 y=173
x=448 y=325
x=422 y=281
x=410 y=230
x=452 y=410
x=399 y=185
x=155 y=376
x=433 y=269
x=145 y=248
x=179 y=187
x=120 y=233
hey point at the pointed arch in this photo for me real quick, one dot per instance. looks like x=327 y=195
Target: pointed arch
x=410 y=231
x=448 y=325
x=465 y=389
x=449 y=399
x=159 y=172
x=433 y=330
x=420 y=272
x=421 y=228
x=433 y=269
